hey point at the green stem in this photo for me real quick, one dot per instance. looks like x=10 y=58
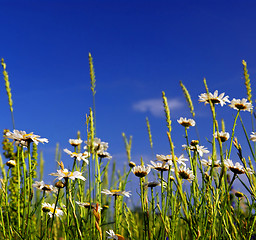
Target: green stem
x=67 y=203
x=143 y=207
x=54 y=211
x=7 y=204
x=116 y=216
x=19 y=187
x=29 y=188
x=232 y=136
x=153 y=211
x=24 y=190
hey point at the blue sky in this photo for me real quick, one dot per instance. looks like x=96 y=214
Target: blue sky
x=140 y=48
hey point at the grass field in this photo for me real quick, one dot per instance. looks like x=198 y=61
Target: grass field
x=89 y=202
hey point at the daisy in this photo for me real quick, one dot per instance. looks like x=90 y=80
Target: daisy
x=209 y=163
x=44 y=187
x=141 y=171
x=224 y=136
x=214 y=98
x=96 y=145
x=159 y=166
x=104 y=154
x=88 y=205
x=186 y=173
x=11 y=163
x=237 y=168
x=168 y=159
x=152 y=184
x=253 y=137
x=78 y=156
x=22 y=138
x=114 y=192
x=112 y=235
x=200 y=149
x=132 y=164
x=75 y=142
x=186 y=122
x=49 y=208
x=241 y=105
x=64 y=173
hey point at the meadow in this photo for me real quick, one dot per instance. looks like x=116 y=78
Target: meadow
x=88 y=201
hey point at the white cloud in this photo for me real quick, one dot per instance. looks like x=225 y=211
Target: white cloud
x=155 y=106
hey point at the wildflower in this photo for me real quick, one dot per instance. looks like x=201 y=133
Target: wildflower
x=214 y=98
x=186 y=122
x=159 y=166
x=60 y=184
x=241 y=105
x=168 y=159
x=98 y=147
x=88 y=205
x=132 y=164
x=172 y=178
x=112 y=235
x=152 y=184
x=114 y=192
x=22 y=138
x=224 y=136
x=141 y=171
x=210 y=162
x=253 y=136
x=75 y=142
x=237 y=168
x=11 y=163
x=44 y=187
x=186 y=173
x=78 y=156
x=239 y=194
x=64 y=173
x=200 y=149
x=49 y=208
x=104 y=154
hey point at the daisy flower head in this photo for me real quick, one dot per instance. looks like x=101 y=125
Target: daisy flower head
x=115 y=192
x=96 y=145
x=99 y=147
x=88 y=205
x=75 y=142
x=186 y=122
x=64 y=173
x=163 y=158
x=209 y=163
x=214 y=98
x=104 y=154
x=253 y=137
x=11 y=163
x=237 y=168
x=241 y=105
x=78 y=156
x=112 y=235
x=44 y=187
x=49 y=208
x=197 y=148
x=141 y=171
x=224 y=136
x=186 y=173
x=132 y=164
x=161 y=167
x=24 y=139
x=152 y=184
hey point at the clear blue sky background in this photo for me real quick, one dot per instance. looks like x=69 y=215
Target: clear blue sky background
x=140 y=48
